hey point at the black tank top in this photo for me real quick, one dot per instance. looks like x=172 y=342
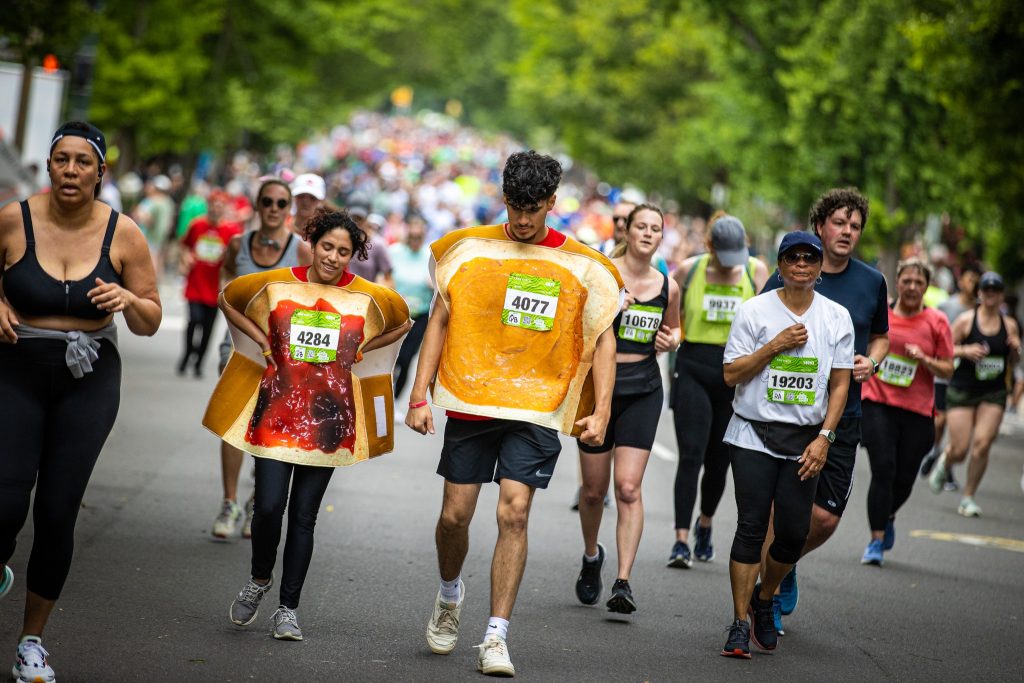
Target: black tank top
x=636 y=327
x=34 y=292
x=988 y=374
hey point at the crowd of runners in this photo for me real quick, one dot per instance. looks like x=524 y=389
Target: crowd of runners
x=778 y=376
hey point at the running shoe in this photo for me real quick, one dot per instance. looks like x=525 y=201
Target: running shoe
x=937 y=479
x=873 y=553
x=928 y=463
x=31 y=666
x=246 y=604
x=889 y=539
x=762 y=621
x=575 y=501
x=950 y=484
x=6 y=581
x=588 y=584
x=493 y=659
x=443 y=627
x=777 y=614
x=968 y=508
x=680 y=557
x=789 y=593
x=703 y=549
x=247 y=523
x=227 y=521
x=286 y=624
x=738 y=642
x=621 y=601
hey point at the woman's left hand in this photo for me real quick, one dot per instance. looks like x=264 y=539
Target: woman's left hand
x=664 y=340
x=110 y=297
x=813 y=459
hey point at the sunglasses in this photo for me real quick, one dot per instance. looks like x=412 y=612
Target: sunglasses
x=267 y=202
x=794 y=257
x=991 y=288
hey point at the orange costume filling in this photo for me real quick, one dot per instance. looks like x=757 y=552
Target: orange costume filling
x=485 y=362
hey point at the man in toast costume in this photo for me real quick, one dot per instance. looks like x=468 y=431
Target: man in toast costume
x=518 y=347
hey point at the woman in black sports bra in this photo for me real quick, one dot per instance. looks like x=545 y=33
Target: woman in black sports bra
x=647 y=325
x=69 y=264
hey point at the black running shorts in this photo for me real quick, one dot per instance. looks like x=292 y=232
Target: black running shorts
x=479 y=451
x=633 y=422
x=835 y=483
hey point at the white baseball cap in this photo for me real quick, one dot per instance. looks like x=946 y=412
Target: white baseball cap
x=310 y=183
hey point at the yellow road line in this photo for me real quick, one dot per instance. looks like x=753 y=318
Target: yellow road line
x=971 y=539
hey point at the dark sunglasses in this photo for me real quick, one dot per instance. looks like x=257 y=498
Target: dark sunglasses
x=619 y=219
x=267 y=202
x=991 y=288
x=794 y=257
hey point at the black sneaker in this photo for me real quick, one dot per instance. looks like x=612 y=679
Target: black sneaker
x=703 y=549
x=928 y=463
x=622 y=598
x=680 y=556
x=588 y=585
x=738 y=643
x=763 y=621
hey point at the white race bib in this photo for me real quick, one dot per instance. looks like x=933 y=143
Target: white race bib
x=640 y=323
x=791 y=380
x=530 y=302
x=897 y=370
x=989 y=368
x=209 y=249
x=314 y=336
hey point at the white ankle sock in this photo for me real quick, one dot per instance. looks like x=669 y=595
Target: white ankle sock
x=496 y=626
x=592 y=558
x=450 y=590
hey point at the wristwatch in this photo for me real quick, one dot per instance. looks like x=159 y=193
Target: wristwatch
x=875 y=365
x=828 y=434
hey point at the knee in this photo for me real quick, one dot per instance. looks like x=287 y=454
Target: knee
x=268 y=508
x=980 y=448
x=627 y=493
x=513 y=515
x=823 y=522
x=593 y=495
x=453 y=520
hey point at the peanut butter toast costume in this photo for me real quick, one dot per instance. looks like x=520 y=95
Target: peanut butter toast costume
x=523 y=326
x=319 y=406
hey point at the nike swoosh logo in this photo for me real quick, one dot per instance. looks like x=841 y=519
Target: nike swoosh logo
x=541 y=474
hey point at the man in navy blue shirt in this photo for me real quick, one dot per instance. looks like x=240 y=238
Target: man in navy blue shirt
x=838 y=217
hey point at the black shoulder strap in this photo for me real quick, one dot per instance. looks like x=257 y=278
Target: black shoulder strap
x=26 y=219
x=664 y=287
x=109 y=236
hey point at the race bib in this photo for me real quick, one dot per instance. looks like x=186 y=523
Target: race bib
x=209 y=249
x=721 y=302
x=990 y=367
x=791 y=380
x=530 y=302
x=640 y=323
x=314 y=336
x=897 y=370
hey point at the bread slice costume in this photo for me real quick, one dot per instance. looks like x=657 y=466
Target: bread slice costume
x=523 y=326
x=318 y=407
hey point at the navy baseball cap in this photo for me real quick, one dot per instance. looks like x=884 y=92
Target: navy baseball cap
x=93 y=135
x=798 y=239
x=991 y=280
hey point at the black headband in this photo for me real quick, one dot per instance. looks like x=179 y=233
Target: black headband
x=87 y=131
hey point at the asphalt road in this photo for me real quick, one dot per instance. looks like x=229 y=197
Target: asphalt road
x=149 y=591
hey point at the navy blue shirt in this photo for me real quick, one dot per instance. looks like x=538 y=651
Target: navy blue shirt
x=861 y=290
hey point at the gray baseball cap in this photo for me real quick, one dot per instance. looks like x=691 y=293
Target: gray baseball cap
x=729 y=241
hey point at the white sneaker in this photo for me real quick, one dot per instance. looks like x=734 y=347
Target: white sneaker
x=247 y=524
x=493 y=659
x=937 y=478
x=968 y=508
x=6 y=580
x=443 y=628
x=31 y=666
x=227 y=521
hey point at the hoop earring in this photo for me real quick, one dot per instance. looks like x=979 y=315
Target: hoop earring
x=818 y=281
x=779 y=276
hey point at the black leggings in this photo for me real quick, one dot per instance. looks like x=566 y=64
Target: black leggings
x=762 y=480
x=308 y=485
x=52 y=429
x=200 y=319
x=702 y=408
x=897 y=441
x=410 y=346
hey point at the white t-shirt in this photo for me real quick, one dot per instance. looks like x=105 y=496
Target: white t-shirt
x=793 y=387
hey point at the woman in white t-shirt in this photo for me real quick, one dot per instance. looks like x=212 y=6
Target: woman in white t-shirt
x=789 y=355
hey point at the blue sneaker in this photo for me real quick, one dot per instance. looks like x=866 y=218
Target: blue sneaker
x=680 y=556
x=777 y=614
x=789 y=593
x=889 y=540
x=6 y=580
x=703 y=549
x=873 y=553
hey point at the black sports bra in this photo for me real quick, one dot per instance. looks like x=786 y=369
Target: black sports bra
x=34 y=292
x=636 y=328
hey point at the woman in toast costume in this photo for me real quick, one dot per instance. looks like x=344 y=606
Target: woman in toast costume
x=309 y=407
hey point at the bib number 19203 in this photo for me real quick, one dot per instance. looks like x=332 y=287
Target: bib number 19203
x=791 y=380
x=530 y=302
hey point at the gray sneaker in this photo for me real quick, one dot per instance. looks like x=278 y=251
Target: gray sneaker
x=227 y=521
x=286 y=624
x=246 y=604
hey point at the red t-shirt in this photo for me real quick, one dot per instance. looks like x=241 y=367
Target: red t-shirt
x=208 y=244
x=553 y=239
x=301 y=274
x=930 y=330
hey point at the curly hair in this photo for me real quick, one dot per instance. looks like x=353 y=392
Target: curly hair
x=529 y=178
x=848 y=198
x=326 y=219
